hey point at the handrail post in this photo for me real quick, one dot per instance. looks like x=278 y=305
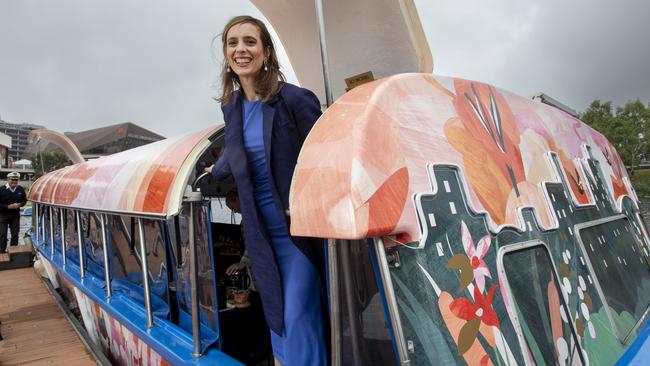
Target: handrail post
x=107 y=272
x=335 y=313
x=193 y=198
x=323 y=51
x=43 y=225
x=145 y=273
x=63 y=245
x=37 y=227
x=82 y=250
x=51 y=232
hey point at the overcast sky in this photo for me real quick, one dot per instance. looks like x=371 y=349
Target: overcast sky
x=72 y=65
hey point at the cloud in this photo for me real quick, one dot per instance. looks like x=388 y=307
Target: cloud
x=73 y=64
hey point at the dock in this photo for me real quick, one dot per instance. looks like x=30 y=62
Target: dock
x=34 y=330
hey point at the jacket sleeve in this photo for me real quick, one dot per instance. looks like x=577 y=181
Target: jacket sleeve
x=3 y=206
x=24 y=200
x=221 y=169
x=306 y=110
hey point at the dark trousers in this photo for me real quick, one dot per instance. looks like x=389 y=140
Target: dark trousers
x=14 y=225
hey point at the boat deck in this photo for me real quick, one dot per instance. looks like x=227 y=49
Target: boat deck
x=34 y=329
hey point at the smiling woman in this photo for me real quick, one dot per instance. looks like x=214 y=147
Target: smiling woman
x=267 y=121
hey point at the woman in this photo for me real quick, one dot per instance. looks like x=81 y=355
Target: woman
x=267 y=121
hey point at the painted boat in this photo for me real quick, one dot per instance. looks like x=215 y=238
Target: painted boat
x=464 y=225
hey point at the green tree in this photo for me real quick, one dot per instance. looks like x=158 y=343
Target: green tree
x=628 y=129
x=45 y=162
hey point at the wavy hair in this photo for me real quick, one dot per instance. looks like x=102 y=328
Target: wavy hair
x=267 y=83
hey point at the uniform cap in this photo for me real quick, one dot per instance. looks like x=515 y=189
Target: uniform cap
x=13 y=175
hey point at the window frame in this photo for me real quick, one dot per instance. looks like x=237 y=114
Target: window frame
x=522 y=246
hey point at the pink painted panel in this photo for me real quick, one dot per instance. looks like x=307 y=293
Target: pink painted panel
x=369 y=152
x=137 y=180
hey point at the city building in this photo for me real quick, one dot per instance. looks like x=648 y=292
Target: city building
x=104 y=140
x=5 y=145
x=18 y=132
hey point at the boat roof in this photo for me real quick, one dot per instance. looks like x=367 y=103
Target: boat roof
x=148 y=180
x=373 y=151
x=382 y=36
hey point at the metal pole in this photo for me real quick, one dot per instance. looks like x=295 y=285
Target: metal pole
x=391 y=302
x=51 y=233
x=196 y=325
x=63 y=245
x=43 y=225
x=145 y=273
x=82 y=250
x=332 y=263
x=107 y=272
x=37 y=222
x=323 y=51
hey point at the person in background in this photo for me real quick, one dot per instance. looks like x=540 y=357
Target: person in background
x=12 y=198
x=267 y=121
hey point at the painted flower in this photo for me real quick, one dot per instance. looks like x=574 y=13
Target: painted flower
x=485 y=134
x=475 y=255
x=480 y=308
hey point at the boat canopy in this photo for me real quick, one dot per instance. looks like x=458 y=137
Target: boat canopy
x=374 y=150
x=148 y=180
x=382 y=36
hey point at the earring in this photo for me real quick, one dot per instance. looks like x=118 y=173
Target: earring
x=228 y=69
x=266 y=67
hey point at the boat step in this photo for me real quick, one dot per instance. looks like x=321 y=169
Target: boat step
x=18 y=256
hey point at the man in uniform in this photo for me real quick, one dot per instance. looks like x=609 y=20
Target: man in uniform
x=12 y=198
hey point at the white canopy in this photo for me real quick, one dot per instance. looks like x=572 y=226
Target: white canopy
x=382 y=36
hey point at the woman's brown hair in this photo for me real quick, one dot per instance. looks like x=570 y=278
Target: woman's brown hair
x=268 y=82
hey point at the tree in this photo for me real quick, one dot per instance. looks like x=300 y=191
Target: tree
x=628 y=129
x=45 y=162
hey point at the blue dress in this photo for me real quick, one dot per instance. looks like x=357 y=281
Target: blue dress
x=302 y=341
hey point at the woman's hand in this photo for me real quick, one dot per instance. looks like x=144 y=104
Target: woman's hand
x=234 y=268
x=208 y=168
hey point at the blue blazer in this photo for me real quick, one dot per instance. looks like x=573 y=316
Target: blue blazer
x=288 y=118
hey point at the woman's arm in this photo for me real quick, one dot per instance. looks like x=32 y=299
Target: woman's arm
x=221 y=169
x=306 y=110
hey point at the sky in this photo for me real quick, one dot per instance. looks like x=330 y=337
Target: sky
x=73 y=65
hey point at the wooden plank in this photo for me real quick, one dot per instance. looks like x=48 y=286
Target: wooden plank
x=35 y=331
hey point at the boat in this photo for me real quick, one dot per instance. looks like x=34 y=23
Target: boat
x=27 y=211
x=464 y=224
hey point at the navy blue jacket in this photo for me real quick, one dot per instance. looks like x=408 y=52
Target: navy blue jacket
x=8 y=197
x=288 y=118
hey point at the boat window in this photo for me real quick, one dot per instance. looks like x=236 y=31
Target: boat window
x=92 y=237
x=364 y=334
x=206 y=279
x=126 y=263
x=71 y=238
x=537 y=299
x=619 y=260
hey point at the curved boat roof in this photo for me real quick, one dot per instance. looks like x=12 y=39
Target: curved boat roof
x=374 y=150
x=148 y=180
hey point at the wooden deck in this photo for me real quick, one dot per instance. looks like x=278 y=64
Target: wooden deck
x=34 y=329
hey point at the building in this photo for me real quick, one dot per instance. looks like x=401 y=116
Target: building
x=5 y=145
x=105 y=140
x=18 y=132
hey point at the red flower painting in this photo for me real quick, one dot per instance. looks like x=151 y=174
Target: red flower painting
x=480 y=308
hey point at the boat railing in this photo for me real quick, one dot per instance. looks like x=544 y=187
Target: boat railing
x=46 y=215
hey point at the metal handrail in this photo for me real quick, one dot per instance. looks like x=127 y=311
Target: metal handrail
x=145 y=274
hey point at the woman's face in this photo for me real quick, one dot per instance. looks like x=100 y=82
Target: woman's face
x=244 y=50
